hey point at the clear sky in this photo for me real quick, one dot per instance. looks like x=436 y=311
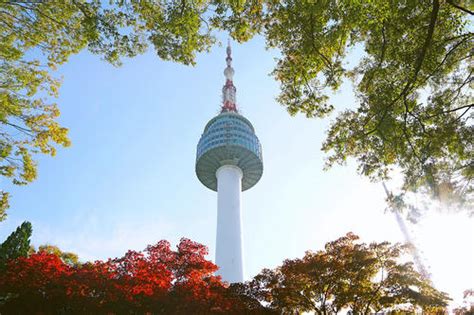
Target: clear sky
x=128 y=179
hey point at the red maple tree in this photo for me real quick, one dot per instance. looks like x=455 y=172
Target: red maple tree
x=157 y=280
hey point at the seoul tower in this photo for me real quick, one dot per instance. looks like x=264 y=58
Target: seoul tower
x=229 y=161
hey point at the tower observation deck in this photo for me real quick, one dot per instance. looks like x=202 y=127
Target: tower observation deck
x=229 y=161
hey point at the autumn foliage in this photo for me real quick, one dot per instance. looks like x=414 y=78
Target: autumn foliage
x=157 y=280
x=346 y=275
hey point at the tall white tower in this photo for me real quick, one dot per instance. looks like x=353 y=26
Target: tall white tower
x=229 y=161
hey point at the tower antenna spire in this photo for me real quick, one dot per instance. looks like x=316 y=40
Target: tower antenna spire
x=229 y=90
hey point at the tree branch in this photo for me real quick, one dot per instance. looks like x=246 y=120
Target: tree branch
x=464 y=113
x=418 y=64
x=424 y=49
x=407 y=136
x=468 y=107
x=451 y=2
x=19 y=128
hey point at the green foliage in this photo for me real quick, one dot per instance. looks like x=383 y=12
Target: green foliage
x=38 y=36
x=414 y=111
x=17 y=244
x=3 y=205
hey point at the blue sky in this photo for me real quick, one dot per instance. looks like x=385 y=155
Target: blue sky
x=128 y=179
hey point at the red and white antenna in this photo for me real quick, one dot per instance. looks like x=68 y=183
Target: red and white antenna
x=228 y=90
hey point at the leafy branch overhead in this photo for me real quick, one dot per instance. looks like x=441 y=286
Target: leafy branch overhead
x=38 y=36
x=413 y=83
x=413 y=80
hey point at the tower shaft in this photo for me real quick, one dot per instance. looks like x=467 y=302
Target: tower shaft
x=229 y=232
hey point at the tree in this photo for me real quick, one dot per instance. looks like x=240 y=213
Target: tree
x=68 y=258
x=244 y=301
x=38 y=36
x=468 y=304
x=414 y=111
x=366 y=278
x=157 y=280
x=16 y=245
x=412 y=82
